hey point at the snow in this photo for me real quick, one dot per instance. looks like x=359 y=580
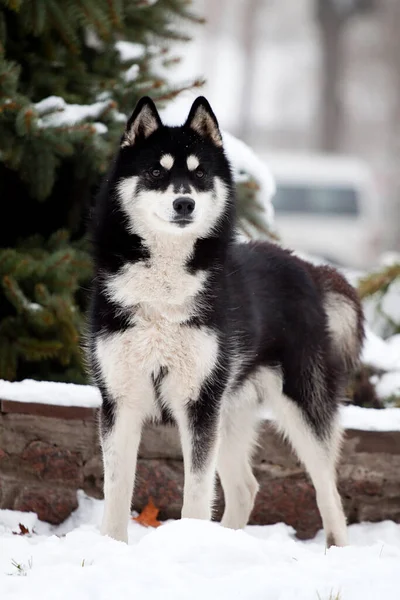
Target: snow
x=50 y=104
x=132 y=73
x=130 y=50
x=50 y=392
x=370 y=419
x=388 y=385
x=192 y=559
x=100 y=128
x=55 y=112
x=381 y=354
x=390 y=304
x=360 y=418
x=244 y=160
x=383 y=312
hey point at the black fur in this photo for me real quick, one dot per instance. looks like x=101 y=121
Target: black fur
x=267 y=307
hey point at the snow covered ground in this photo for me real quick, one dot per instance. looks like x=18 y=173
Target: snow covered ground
x=192 y=559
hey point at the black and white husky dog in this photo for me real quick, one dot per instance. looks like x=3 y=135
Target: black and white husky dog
x=189 y=325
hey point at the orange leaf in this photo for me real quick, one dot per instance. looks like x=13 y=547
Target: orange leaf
x=22 y=530
x=148 y=516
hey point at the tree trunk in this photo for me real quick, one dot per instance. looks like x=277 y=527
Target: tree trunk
x=330 y=118
x=249 y=47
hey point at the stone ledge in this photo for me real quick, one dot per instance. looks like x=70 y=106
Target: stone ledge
x=47 y=410
x=46 y=456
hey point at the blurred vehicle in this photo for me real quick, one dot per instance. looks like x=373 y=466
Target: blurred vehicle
x=328 y=206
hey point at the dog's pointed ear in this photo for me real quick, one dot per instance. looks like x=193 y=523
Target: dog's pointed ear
x=202 y=120
x=142 y=123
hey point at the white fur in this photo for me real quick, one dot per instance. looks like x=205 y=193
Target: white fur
x=152 y=212
x=192 y=162
x=342 y=322
x=319 y=460
x=120 y=450
x=167 y=161
x=127 y=189
x=129 y=358
x=239 y=427
x=162 y=284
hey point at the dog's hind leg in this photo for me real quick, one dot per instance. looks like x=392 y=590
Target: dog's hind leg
x=238 y=438
x=315 y=435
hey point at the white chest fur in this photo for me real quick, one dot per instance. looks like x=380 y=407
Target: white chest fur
x=162 y=295
x=128 y=360
x=160 y=285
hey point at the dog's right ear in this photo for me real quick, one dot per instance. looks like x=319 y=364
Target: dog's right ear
x=143 y=122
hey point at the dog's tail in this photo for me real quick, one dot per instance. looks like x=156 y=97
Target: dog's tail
x=345 y=317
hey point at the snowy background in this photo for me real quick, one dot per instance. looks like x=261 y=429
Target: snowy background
x=264 y=66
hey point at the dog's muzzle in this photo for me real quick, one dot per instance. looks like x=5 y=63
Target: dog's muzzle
x=183 y=210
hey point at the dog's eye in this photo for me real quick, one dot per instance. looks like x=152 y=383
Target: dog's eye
x=199 y=173
x=155 y=173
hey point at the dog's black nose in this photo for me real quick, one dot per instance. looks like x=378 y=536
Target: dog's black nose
x=183 y=206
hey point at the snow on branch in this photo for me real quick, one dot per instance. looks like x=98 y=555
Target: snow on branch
x=55 y=112
x=246 y=163
x=130 y=50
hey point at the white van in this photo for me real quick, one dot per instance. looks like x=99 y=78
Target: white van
x=327 y=206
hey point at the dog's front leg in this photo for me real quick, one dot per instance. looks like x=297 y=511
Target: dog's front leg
x=120 y=439
x=198 y=426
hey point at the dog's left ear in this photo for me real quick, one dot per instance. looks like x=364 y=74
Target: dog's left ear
x=202 y=120
x=143 y=122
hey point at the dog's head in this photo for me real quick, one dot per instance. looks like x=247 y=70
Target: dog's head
x=173 y=180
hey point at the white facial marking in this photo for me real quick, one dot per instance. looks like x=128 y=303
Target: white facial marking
x=192 y=162
x=150 y=212
x=167 y=161
x=126 y=191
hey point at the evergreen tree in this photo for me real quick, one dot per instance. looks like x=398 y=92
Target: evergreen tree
x=376 y=286
x=70 y=72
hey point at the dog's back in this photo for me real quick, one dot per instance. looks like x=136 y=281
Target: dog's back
x=288 y=303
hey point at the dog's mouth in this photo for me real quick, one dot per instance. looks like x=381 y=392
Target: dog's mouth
x=182 y=221
x=179 y=221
